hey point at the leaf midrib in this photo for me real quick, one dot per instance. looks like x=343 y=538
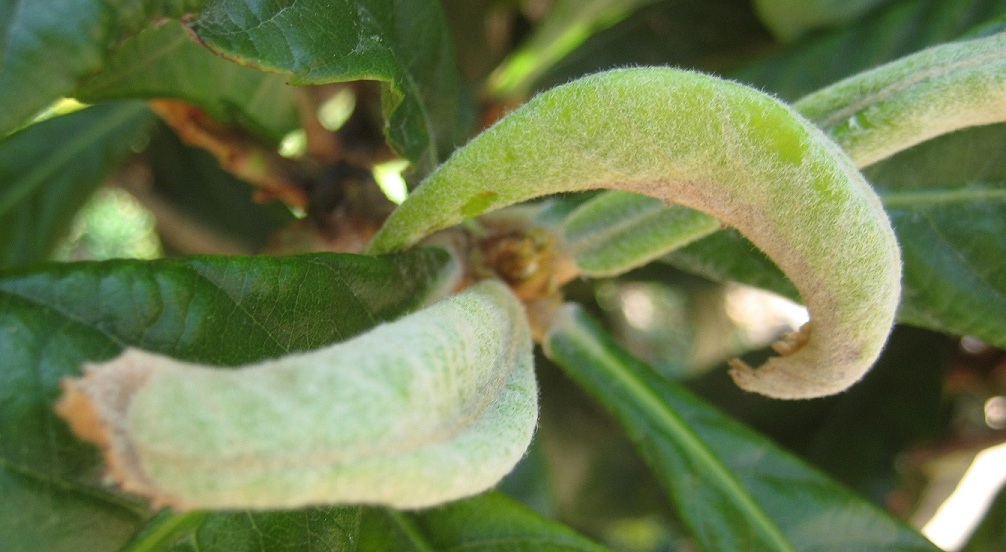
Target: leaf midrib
x=648 y=401
x=907 y=199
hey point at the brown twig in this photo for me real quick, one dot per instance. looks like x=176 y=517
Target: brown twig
x=237 y=151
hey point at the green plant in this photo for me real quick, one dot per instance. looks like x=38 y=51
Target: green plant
x=365 y=380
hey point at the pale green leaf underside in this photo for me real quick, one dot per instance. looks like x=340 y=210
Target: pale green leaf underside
x=880 y=112
x=734 y=489
x=432 y=407
x=617 y=231
x=713 y=145
x=221 y=310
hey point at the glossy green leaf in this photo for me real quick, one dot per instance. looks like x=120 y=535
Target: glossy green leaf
x=164 y=61
x=897 y=30
x=313 y=530
x=48 y=170
x=39 y=514
x=947 y=201
x=490 y=522
x=404 y=44
x=734 y=489
x=49 y=46
x=899 y=401
x=219 y=310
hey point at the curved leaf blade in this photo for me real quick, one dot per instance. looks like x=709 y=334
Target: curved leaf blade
x=444 y=414
x=947 y=200
x=223 y=310
x=890 y=108
x=736 y=490
x=404 y=43
x=48 y=170
x=713 y=145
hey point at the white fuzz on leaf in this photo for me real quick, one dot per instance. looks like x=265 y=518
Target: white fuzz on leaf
x=436 y=406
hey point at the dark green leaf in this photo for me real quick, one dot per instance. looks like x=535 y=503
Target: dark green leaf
x=947 y=201
x=404 y=43
x=485 y=523
x=312 y=530
x=164 y=61
x=49 y=46
x=897 y=30
x=39 y=514
x=735 y=489
x=48 y=170
x=191 y=181
x=899 y=400
x=217 y=310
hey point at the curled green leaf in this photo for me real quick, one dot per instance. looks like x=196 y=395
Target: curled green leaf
x=433 y=407
x=880 y=112
x=716 y=146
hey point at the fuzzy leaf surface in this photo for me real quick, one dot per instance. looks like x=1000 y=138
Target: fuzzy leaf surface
x=713 y=145
x=220 y=310
x=947 y=203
